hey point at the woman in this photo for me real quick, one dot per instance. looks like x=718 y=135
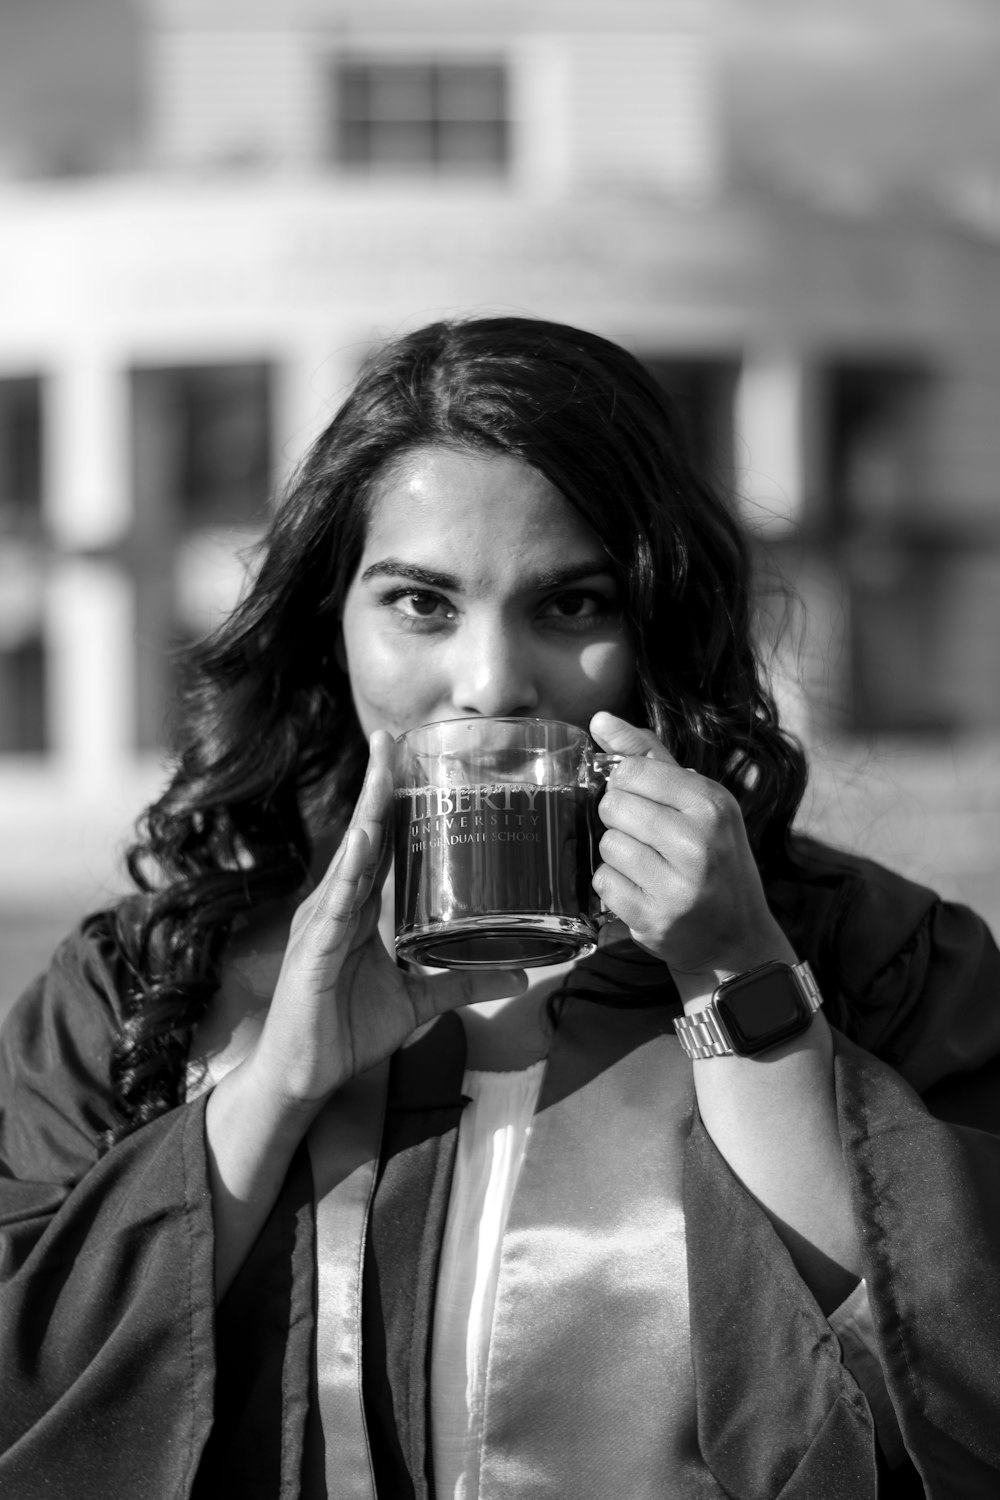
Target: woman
x=284 y=1218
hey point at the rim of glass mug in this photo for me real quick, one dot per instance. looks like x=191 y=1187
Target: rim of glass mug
x=602 y=761
x=480 y=719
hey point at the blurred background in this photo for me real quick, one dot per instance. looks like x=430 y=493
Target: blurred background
x=211 y=209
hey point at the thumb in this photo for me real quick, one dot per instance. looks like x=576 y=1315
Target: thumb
x=618 y=735
x=460 y=987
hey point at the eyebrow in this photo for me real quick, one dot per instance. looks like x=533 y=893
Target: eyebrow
x=391 y=567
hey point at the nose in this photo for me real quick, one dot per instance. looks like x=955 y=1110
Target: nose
x=493 y=673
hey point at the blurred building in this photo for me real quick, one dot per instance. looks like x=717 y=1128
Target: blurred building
x=317 y=174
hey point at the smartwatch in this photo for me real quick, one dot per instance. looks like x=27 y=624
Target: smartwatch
x=752 y=1012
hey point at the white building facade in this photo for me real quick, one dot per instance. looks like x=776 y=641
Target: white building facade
x=325 y=173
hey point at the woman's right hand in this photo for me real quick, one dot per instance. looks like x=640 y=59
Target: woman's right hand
x=341 y=1005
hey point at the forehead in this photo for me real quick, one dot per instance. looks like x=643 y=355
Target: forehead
x=486 y=513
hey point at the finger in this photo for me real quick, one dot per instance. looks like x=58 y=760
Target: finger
x=614 y=932
x=621 y=896
x=376 y=789
x=383 y=754
x=638 y=789
x=613 y=733
x=342 y=893
x=458 y=987
x=372 y=813
x=634 y=858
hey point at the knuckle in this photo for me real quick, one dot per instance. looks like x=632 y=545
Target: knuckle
x=687 y=898
x=341 y=912
x=710 y=808
x=723 y=803
x=628 y=908
x=614 y=846
x=625 y=772
x=610 y=806
x=338 y=907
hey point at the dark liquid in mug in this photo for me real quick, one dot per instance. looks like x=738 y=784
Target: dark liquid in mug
x=472 y=853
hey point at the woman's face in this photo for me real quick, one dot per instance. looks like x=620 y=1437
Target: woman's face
x=481 y=591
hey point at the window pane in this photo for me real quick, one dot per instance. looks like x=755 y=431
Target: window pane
x=470 y=91
x=22 y=569
x=402 y=146
x=22 y=697
x=223 y=434
x=926 y=627
x=401 y=92
x=877 y=429
x=353 y=99
x=472 y=145
x=355 y=142
x=703 y=392
x=202 y=443
x=20 y=453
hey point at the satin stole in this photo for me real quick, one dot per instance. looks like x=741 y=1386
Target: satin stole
x=590 y=1388
x=344 y=1143
x=590 y=1385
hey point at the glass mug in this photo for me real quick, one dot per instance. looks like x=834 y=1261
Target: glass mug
x=496 y=836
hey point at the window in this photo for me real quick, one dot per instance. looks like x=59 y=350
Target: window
x=703 y=392
x=877 y=428
x=202 y=461
x=22 y=573
x=208 y=455
x=422 y=117
x=923 y=583
x=20 y=454
x=22 y=695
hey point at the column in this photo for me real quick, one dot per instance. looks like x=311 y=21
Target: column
x=778 y=436
x=774 y=432
x=89 y=638
x=310 y=383
x=87 y=502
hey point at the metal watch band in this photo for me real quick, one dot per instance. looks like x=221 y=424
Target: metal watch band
x=703 y=1035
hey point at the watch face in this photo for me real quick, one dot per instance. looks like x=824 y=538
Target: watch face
x=761 y=1009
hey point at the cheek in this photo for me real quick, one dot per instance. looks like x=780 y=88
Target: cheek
x=389 y=686
x=374 y=672
x=608 y=668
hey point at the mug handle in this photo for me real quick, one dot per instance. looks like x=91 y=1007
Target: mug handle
x=600 y=764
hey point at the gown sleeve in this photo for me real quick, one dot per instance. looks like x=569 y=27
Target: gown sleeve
x=917 y=1086
x=926 y=1205
x=918 y=1093
x=106 y=1262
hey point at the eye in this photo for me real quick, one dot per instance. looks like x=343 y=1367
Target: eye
x=575 y=605
x=579 y=608
x=417 y=606
x=423 y=605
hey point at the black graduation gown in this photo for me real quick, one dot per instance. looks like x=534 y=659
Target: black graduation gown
x=116 y=1378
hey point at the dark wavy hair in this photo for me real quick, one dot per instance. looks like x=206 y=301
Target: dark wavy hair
x=268 y=748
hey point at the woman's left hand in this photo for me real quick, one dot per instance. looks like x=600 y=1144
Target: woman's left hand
x=678 y=868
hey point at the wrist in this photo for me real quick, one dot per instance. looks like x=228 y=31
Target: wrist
x=760 y=1010
x=696 y=988
x=263 y=1108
